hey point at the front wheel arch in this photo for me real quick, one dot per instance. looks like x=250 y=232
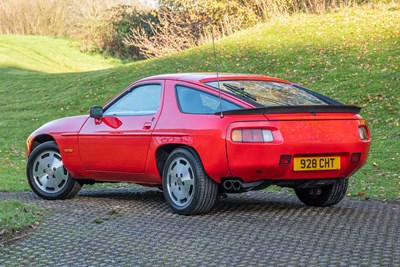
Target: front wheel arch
x=47 y=175
x=40 y=139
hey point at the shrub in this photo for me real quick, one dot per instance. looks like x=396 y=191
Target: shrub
x=107 y=35
x=111 y=34
x=180 y=24
x=90 y=22
x=130 y=29
x=36 y=17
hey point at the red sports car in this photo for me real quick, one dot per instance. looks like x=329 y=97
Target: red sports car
x=197 y=135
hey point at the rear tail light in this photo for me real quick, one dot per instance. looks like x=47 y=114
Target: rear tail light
x=252 y=136
x=363 y=131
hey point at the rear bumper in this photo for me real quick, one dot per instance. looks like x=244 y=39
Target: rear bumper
x=261 y=161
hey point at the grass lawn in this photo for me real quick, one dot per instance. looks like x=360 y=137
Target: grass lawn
x=16 y=216
x=352 y=55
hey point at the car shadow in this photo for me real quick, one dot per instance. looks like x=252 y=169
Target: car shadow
x=246 y=203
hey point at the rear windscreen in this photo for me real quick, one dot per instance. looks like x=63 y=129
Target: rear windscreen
x=267 y=93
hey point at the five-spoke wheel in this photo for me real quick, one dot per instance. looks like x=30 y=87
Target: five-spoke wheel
x=187 y=188
x=180 y=181
x=48 y=172
x=47 y=175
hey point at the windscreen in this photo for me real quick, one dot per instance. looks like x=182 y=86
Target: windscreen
x=267 y=93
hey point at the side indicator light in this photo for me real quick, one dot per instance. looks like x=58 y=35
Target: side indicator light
x=285 y=160
x=355 y=157
x=68 y=150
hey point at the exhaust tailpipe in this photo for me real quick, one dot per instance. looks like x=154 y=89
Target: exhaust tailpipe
x=236 y=185
x=227 y=185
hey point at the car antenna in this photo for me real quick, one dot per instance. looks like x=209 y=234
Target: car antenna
x=216 y=70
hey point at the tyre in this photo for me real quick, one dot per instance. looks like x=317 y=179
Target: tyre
x=187 y=188
x=325 y=196
x=47 y=175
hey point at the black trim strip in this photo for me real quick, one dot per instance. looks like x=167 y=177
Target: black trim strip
x=295 y=109
x=324 y=98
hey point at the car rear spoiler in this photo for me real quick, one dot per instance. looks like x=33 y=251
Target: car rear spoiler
x=294 y=109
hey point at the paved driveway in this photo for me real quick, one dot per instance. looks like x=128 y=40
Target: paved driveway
x=134 y=227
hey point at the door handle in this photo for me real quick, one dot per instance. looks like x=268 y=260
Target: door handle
x=147 y=125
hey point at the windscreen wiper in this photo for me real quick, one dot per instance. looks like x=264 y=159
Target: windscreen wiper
x=239 y=91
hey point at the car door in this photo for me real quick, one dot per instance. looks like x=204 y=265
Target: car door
x=119 y=141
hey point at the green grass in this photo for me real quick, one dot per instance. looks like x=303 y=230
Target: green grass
x=47 y=54
x=352 y=55
x=16 y=216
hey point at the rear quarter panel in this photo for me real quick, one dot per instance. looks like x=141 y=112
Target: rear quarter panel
x=206 y=134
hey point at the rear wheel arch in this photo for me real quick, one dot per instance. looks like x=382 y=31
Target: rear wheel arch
x=163 y=152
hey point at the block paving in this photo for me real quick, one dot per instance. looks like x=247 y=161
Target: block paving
x=134 y=227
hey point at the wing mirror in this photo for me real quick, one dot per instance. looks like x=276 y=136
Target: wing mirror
x=96 y=112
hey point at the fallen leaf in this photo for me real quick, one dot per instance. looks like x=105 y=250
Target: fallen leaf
x=98 y=221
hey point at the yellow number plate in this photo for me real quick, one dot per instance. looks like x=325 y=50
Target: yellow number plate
x=316 y=163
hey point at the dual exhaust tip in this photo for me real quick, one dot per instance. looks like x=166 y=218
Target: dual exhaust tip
x=234 y=185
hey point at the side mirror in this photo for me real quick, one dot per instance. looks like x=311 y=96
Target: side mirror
x=96 y=112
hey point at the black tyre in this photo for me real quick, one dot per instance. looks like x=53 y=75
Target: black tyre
x=187 y=188
x=325 y=196
x=47 y=175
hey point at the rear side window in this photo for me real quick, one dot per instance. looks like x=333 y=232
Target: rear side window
x=269 y=93
x=198 y=102
x=142 y=100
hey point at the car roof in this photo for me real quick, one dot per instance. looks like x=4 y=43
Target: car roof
x=203 y=77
